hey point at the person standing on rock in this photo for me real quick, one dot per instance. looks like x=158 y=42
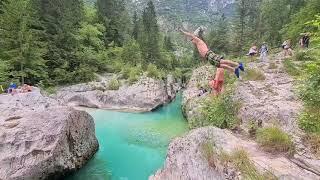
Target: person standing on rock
x=209 y=55
x=263 y=52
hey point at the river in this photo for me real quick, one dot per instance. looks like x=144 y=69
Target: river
x=132 y=145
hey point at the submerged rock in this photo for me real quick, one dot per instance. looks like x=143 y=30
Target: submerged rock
x=186 y=161
x=40 y=139
x=145 y=95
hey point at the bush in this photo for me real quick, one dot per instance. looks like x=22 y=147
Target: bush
x=220 y=111
x=254 y=75
x=309 y=90
x=302 y=56
x=310 y=120
x=291 y=68
x=114 y=84
x=153 y=72
x=273 y=139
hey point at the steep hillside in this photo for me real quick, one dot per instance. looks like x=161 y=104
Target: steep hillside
x=176 y=12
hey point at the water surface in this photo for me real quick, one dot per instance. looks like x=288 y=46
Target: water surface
x=132 y=145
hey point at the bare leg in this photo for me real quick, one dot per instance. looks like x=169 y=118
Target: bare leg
x=229 y=68
x=229 y=63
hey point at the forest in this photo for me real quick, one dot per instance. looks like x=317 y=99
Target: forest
x=55 y=42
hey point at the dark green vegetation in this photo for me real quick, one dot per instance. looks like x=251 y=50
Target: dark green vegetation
x=273 y=139
x=55 y=42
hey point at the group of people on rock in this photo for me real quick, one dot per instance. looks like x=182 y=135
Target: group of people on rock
x=234 y=67
x=13 y=88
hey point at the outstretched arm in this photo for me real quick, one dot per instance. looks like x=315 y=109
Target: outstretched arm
x=188 y=34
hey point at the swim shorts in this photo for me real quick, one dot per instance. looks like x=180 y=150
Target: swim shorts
x=213 y=58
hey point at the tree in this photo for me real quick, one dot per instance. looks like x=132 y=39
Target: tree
x=136 y=26
x=150 y=39
x=218 y=36
x=298 y=25
x=90 y=47
x=115 y=18
x=167 y=44
x=20 y=44
x=60 y=20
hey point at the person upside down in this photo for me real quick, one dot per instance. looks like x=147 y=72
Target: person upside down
x=209 y=55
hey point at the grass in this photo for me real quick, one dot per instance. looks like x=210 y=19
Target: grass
x=291 y=68
x=254 y=75
x=274 y=140
x=240 y=159
x=313 y=141
x=208 y=153
x=310 y=120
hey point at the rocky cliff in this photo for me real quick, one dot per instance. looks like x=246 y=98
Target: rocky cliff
x=264 y=102
x=39 y=139
x=145 y=95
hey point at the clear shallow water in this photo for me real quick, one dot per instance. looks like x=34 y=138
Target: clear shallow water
x=132 y=146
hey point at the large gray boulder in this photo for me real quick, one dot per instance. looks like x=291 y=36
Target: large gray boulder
x=40 y=139
x=185 y=159
x=145 y=95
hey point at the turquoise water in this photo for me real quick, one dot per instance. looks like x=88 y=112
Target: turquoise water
x=132 y=145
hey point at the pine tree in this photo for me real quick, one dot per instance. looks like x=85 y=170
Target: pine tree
x=114 y=15
x=218 y=36
x=167 y=43
x=60 y=19
x=150 y=39
x=20 y=44
x=136 y=26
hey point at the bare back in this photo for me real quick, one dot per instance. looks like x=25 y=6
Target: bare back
x=201 y=46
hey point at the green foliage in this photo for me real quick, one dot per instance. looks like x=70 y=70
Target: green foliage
x=273 y=139
x=114 y=16
x=150 y=40
x=310 y=120
x=218 y=36
x=153 y=72
x=131 y=73
x=114 y=84
x=302 y=55
x=131 y=53
x=299 y=21
x=20 y=45
x=220 y=111
x=291 y=68
x=309 y=88
x=254 y=75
